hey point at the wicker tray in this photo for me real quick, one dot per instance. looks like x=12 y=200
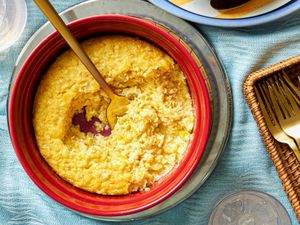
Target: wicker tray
x=283 y=158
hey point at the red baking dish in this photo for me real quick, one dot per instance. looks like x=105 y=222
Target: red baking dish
x=22 y=133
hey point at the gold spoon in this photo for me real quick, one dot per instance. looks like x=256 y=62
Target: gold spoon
x=118 y=104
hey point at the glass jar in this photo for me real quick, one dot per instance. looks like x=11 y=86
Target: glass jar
x=13 y=15
x=249 y=208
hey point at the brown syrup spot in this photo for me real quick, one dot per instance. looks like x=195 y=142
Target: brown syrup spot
x=89 y=126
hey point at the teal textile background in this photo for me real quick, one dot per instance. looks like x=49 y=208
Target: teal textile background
x=245 y=164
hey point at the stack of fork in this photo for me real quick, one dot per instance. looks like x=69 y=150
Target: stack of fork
x=279 y=100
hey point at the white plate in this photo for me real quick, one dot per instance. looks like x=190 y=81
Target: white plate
x=281 y=12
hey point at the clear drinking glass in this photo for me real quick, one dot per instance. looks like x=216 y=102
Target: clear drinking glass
x=249 y=208
x=13 y=15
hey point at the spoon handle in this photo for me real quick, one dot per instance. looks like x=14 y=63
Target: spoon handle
x=62 y=28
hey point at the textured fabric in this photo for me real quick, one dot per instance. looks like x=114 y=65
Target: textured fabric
x=245 y=164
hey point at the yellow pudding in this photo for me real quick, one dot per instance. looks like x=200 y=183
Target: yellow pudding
x=145 y=144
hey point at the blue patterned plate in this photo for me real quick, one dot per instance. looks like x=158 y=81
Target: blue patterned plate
x=280 y=12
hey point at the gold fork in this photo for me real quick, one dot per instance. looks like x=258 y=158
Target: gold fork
x=292 y=86
x=286 y=107
x=272 y=121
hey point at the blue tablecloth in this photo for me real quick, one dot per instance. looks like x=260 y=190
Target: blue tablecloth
x=245 y=163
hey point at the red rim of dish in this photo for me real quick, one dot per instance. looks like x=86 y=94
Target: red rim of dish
x=77 y=199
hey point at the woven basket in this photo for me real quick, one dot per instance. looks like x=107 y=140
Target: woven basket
x=283 y=158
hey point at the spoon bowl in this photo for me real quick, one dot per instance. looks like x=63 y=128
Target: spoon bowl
x=117 y=107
